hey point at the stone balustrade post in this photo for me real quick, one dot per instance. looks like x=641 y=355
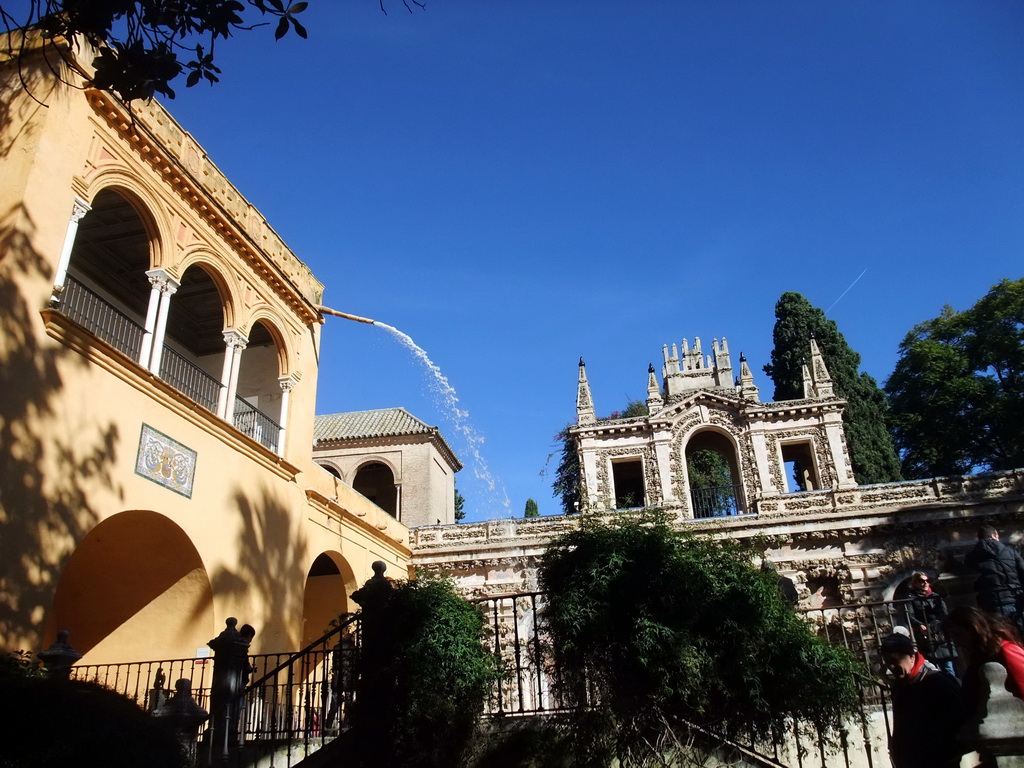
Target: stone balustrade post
x=59 y=657
x=183 y=715
x=230 y=674
x=998 y=729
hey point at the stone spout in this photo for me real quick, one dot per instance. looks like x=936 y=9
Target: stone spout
x=346 y=315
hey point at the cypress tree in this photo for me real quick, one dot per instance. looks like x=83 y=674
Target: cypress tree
x=872 y=453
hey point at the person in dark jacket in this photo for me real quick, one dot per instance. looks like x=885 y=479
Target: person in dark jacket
x=925 y=611
x=927 y=710
x=1000 y=571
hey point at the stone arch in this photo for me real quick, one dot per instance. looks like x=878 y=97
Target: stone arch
x=135 y=581
x=139 y=196
x=222 y=277
x=329 y=582
x=375 y=479
x=271 y=323
x=330 y=467
x=115 y=245
x=711 y=495
x=259 y=398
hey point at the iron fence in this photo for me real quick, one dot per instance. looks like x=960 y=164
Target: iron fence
x=298 y=702
x=189 y=379
x=100 y=318
x=716 y=501
x=256 y=424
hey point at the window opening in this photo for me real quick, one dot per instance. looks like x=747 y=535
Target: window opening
x=628 y=479
x=798 y=464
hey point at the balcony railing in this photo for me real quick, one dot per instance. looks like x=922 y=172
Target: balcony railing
x=716 y=501
x=100 y=318
x=81 y=305
x=189 y=379
x=256 y=424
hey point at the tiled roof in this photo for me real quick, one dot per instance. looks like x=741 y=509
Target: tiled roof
x=355 y=425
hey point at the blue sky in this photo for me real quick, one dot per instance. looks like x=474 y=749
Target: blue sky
x=518 y=184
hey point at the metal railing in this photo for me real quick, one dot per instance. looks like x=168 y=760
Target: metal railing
x=298 y=702
x=716 y=501
x=100 y=318
x=301 y=702
x=189 y=379
x=256 y=424
x=94 y=313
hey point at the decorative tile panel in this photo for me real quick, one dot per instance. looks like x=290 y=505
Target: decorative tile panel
x=165 y=461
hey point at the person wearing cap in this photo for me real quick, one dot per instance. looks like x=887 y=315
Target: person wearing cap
x=927 y=710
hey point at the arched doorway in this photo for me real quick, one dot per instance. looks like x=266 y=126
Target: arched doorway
x=328 y=584
x=712 y=471
x=376 y=482
x=134 y=589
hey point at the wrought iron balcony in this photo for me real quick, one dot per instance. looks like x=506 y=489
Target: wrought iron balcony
x=256 y=424
x=94 y=313
x=716 y=501
x=189 y=379
x=101 y=319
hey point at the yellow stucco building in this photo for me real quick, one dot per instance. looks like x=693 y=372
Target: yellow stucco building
x=158 y=372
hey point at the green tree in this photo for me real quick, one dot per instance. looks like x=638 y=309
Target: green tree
x=566 y=485
x=460 y=506
x=531 y=509
x=957 y=392
x=657 y=629
x=430 y=669
x=871 y=448
x=145 y=45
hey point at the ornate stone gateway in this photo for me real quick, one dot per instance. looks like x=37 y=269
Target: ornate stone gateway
x=786 y=480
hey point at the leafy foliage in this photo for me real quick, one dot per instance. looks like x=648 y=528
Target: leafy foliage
x=531 y=509
x=140 y=42
x=50 y=723
x=566 y=485
x=658 y=629
x=872 y=452
x=957 y=393
x=430 y=652
x=708 y=469
x=460 y=506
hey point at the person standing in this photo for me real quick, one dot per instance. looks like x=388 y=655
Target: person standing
x=1000 y=569
x=983 y=638
x=925 y=611
x=927 y=710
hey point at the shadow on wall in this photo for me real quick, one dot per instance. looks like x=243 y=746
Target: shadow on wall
x=42 y=515
x=271 y=565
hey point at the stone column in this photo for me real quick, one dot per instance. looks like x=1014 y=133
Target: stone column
x=236 y=344
x=168 y=285
x=157 y=279
x=78 y=210
x=287 y=385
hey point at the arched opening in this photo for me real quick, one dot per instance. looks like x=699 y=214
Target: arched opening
x=377 y=483
x=106 y=289
x=257 y=406
x=329 y=582
x=134 y=589
x=193 y=355
x=332 y=470
x=712 y=471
